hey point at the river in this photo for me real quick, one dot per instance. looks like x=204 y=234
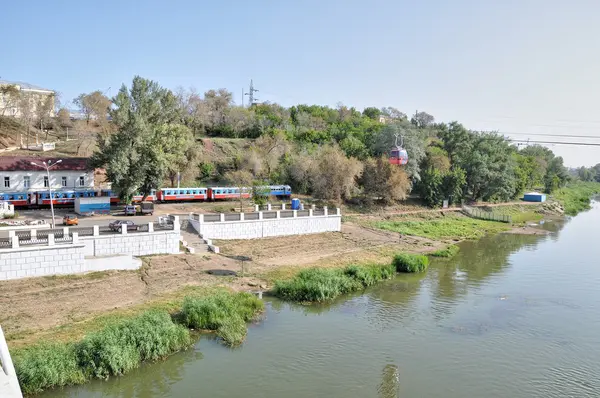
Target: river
x=510 y=316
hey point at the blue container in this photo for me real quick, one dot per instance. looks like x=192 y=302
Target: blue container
x=295 y=204
x=534 y=197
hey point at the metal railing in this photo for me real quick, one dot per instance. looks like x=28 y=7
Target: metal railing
x=486 y=215
x=266 y=215
x=5 y=243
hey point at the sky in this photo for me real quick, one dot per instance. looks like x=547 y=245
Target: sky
x=515 y=66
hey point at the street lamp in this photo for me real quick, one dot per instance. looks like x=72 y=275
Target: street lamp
x=48 y=167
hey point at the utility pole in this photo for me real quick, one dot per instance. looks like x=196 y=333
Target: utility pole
x=251 y=94
x=48 y=166
x=243 y=97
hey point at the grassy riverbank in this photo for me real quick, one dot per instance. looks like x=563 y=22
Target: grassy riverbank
x=441 y=226
x=124 y=343
x=319 y=284
x=576 y=196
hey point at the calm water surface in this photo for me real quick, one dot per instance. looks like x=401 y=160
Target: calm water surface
x=511 y=316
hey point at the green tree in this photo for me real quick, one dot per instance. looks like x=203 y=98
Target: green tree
x=136 y=157
x=556 y=175
x=372 y=113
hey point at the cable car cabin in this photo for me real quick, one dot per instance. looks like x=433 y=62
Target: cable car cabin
x=150 y=198
x=114 y=198
x=398 y=156
x=218 y=193
x=181 y=194
x=65 y=198
x=15 y=198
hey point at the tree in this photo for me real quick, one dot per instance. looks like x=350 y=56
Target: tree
x=334 y=176
x=27 y=114
x=177 y=144
x=422 y=120
x=42 y=109
x=393 y=113
x=148 y=123
x=93 y=105
x=556 y=175
x=372 y=113
x=64 y=118
x=384 y=181
x=9 y=96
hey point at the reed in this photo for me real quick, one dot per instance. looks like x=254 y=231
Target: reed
x=405 y=262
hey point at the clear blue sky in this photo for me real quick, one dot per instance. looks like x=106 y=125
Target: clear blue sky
x=507 y=65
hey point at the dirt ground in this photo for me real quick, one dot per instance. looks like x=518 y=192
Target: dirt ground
x=35 y=308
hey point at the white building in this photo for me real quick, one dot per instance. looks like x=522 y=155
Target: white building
x=17 y=174
x=12 y=95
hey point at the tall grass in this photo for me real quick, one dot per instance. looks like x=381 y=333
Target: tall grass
x=120 y=348
x=47 y=365
x=224 y=313
x=318 y=284
x=575 y=197
x=405 y=262
x=446 y=252
x=123 y=345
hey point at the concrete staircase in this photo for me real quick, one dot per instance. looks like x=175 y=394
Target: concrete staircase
x=193 y=240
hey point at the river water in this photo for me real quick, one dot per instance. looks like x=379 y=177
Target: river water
x=510 y=316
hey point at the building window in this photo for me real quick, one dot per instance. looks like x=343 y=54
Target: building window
x=63 y=182
x=81 y=181
x=46 y=185
x=6 y=182
x=26 y=182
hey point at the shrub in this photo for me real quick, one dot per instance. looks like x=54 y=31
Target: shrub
x=223 y=313
x=405 y=262
x=447 y=252
x=318 y=284
x=119 y=348
x=47 y=365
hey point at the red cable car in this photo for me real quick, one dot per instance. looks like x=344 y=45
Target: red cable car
x=398 y=155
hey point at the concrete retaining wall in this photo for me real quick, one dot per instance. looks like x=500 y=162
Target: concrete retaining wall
x=25 y=262
x=84 y=254
x=267 y=227
x=138 y=244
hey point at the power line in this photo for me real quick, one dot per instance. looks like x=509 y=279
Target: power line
x=557 y=142
x=554 y=135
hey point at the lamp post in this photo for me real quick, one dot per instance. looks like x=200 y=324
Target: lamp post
x=48 y=166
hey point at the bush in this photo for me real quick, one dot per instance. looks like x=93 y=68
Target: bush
x=318 y=284
x=405 y=262
x=119 y=348
x=223 y=313
x=47 y=365
x=447 y=252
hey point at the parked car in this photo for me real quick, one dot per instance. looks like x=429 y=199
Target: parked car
x=70 y=219
x=130 y=210
x=119 y=224
x=146 y=208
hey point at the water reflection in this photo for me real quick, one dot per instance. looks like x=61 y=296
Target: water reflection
x=151 y=380
x=390 y=382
